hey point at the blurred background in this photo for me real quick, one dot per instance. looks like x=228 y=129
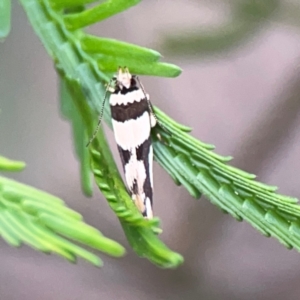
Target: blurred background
x=239 y=90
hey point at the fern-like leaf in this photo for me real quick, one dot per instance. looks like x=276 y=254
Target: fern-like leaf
x=86 y=63
x=42 y=221
x=194 y=165
x=141 y=233
x=80 y=70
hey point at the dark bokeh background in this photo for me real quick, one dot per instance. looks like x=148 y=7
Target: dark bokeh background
x=239 y=90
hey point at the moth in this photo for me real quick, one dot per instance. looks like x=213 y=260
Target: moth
x=132 y=120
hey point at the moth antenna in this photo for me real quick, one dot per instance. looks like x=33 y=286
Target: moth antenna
x=100 y=115
x=151 y=108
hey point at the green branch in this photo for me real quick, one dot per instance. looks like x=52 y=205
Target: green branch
x=141 y=233
x=85 y=64
x=194 y=165
x=42 y=221
x=80 y=71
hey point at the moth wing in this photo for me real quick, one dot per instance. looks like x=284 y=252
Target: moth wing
x=137 y=163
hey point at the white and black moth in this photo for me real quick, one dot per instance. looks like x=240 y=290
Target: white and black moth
x=132 y=120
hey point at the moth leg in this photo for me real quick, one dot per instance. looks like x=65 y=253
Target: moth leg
x=110 y=89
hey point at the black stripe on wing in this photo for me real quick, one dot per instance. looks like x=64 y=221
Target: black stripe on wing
x=125 y=156
x=142 y=153
x=122 y=113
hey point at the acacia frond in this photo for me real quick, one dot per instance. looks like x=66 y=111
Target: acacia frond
x=141 y=233
x=85 y=72
x=44 y=222
x=194 y=165
x=85 y=63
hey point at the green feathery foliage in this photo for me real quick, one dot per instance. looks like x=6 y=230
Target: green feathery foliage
x=5 y=13
x=141 y=233
x=85 y=64
x=79 y=67
x=42 y=221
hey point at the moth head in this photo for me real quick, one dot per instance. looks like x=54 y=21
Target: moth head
x=123 y=78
